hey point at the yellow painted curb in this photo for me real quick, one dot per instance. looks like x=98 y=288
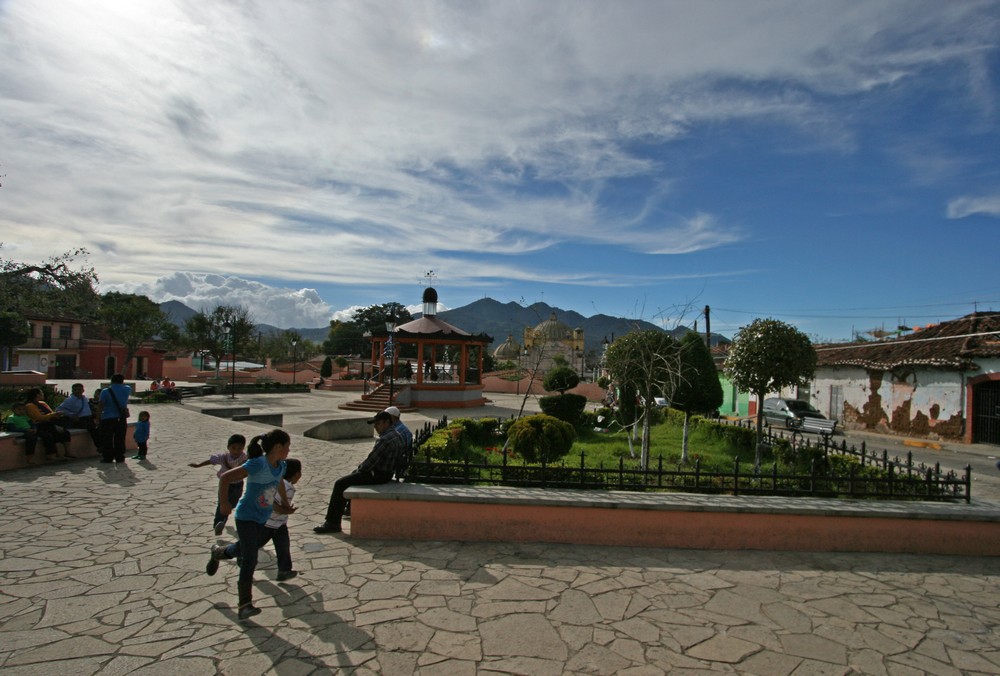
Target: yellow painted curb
x=922 y=444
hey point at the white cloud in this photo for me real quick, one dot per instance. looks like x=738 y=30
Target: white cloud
x=281 y=307
x=341 y=141
x=960 y=207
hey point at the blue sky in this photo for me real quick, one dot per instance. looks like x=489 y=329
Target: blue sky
x=829 y=163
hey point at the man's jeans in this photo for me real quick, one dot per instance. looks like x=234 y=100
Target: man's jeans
x=335 y=510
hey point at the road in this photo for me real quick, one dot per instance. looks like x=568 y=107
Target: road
x=954 y=456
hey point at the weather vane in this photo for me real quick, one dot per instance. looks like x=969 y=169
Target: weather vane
x=429 y=277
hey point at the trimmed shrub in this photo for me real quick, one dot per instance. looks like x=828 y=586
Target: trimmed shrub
x=479 y=432
x=568 y=407
x=560 y=379
x=541 y=438
x=326 y=370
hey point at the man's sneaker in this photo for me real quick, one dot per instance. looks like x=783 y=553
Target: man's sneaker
x=286 y=575
x=248 y=611
x=327 y=527
x=219 y=526
x=213 y=561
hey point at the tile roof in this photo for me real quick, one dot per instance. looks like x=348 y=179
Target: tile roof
x=952 y=344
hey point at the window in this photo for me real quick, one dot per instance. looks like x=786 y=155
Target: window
x=65 y=332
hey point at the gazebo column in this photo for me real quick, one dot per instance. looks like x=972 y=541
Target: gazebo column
x=420 y=362
x=463 y=368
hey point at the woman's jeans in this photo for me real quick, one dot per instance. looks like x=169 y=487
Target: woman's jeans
x=252 y=535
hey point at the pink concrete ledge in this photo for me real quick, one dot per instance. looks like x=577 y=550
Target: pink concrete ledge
x=80 y=446
x=673 y=520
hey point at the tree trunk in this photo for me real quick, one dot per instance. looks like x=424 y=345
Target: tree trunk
x=684 y=439
x=760 y=431
x=644 y=462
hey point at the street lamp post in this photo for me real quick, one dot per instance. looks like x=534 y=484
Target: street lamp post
x=390 y=327
x=295 y=359
x=227 y=329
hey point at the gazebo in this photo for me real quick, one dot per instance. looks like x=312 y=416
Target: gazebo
x=449 y=361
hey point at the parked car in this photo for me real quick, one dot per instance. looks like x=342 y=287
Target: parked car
x=789 y=413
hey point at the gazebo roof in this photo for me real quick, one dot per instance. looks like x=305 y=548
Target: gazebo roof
x=432 y=327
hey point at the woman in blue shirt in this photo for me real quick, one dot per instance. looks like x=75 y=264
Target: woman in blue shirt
x=263 y=473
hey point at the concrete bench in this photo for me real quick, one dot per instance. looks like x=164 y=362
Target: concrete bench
x=80 y=446
x=276 y=419
x=227 y=412
x=405 y=511
x=343 y=428
x=820 y=426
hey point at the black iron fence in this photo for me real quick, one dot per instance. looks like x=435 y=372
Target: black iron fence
x=874 y=476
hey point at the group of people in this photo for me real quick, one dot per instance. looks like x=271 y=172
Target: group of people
x=105 y=418
x=166 y=387
x=261 y=482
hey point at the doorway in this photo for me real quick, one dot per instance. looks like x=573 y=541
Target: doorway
x=986 y=413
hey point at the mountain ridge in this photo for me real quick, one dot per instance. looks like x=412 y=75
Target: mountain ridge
x=493 y=318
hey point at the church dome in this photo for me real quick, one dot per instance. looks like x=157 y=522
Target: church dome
x=553 y=329
x=509 y=349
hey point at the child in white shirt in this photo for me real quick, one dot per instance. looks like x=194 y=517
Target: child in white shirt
x=276 y=528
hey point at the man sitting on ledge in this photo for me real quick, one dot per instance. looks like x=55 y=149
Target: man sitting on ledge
x=377 y=468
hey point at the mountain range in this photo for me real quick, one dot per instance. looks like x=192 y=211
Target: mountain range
x=493 y=318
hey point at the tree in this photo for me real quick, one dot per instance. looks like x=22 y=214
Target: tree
x=345 y=338
x=278 y=346
x=699 y=389
x=646 y=363
x=326 y=370
x=131 y=320
x=13 y=332
x=374 y=317
x=59 y=287
x=766 y=356
x=205 y=332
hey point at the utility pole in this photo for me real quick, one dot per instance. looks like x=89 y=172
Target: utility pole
x=708 y=329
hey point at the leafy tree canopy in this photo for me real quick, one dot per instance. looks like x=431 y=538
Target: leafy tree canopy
x=769 y=354
x=699 y=389
x=206 y=331
x=132 y=320
x=345 y=338
x=647 y=361
x=62 y=286
x=374 y=317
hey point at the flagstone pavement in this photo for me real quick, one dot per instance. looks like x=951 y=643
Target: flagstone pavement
x=102 y=572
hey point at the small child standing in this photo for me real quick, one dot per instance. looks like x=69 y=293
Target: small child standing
x=234 y=456
x=141 y=435
x=276 y=528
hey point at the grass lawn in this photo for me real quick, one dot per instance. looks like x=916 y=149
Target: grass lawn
x=715 y=452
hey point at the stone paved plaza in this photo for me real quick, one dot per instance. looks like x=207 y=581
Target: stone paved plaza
x=102 y=572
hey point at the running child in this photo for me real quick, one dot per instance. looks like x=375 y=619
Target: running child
x=232 y=458
x=276 y=528
x=263 y=475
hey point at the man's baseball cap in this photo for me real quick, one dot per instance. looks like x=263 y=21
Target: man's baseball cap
x=393 y=411
x=381 y=415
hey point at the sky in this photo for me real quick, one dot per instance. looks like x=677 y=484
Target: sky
x=833 y=164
